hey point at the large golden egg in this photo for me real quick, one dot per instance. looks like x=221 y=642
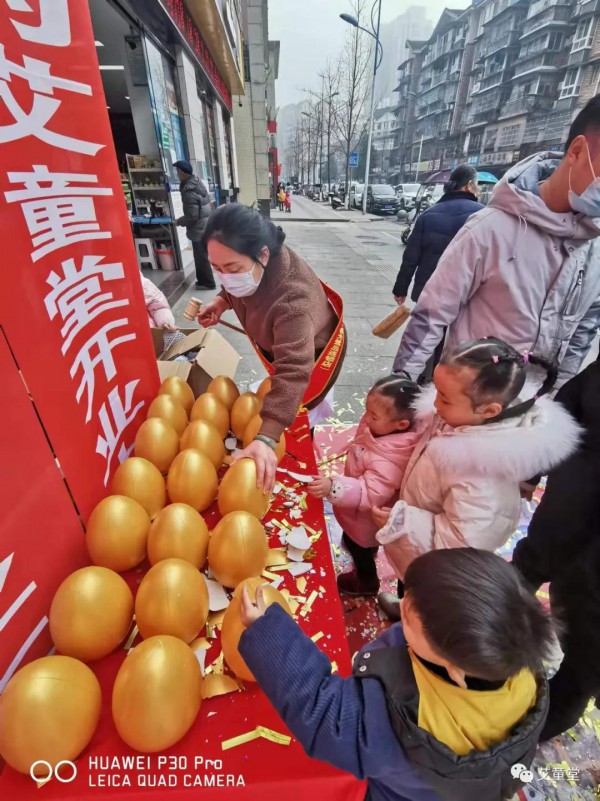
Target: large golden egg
x=193 y=480
x=238 y=548
x=252 y=430
x=225 y=389
x=178 y=532
x=204 y=437
x=91 y=613
x=209 y=407
x=171 y=410
x=141 y=480
x=172 y=599
x=238 y=491
x=117 y=533
x=158 y=442
x=244 y=409
x=264 y=388
x=157 y=694
x=180 y=390
x=49 y=711
x=233 y=628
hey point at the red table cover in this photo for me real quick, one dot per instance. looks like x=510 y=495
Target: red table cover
x=255 y=771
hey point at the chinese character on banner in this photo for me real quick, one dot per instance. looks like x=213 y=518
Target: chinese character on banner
x=54 y=28
x=114 y=418
x=58 y=214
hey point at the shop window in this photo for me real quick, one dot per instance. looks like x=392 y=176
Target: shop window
x=509 y=136
x=490 y=139
x=583 y=35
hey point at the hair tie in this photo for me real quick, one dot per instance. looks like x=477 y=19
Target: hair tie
x=495 y=359
x=526 y=357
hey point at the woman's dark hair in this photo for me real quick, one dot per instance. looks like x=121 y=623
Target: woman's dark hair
x=459 y=177
x=244 y=230
x=500 y=374
x=402 y=391
x=477 y=614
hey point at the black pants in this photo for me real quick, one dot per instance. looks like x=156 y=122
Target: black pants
x=363 y=558
x=570 y=691
x=204 y=273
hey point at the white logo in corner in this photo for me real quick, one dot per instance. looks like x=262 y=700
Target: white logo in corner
x=520 y=772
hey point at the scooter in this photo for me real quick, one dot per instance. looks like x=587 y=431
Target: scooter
x=336 y=202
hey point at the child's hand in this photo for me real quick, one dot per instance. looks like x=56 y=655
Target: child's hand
x=250 y=612
x=170 y=328
x=381 y=516
x=320 y=487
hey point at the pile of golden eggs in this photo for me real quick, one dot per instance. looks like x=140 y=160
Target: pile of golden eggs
x=154 y=513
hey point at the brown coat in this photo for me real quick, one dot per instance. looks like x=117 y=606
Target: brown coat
x=290 y=319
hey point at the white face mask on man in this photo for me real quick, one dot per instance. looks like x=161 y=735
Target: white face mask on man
x=588 y=202
x=241 y=285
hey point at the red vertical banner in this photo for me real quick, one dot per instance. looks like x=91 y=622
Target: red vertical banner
x=72 y=312
x=72 y=305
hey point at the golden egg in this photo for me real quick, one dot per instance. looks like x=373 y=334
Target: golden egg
x=264 y=388
x=172 y=599
x=193 y=480
x=238 y=491
x=238 y=548
x=91 y=613
x=252 y=430
x=158 y=442
x=204 y=437
x=49 y=711
x=209 y=407
x=178 y=532
x=225 y=389
x=139 y=479
x=233 y=628
x=157 y=694
x=180 y=390
x=117 y=533
x=171 y=410
x=244 y=409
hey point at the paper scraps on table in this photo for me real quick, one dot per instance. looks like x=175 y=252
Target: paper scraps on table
x=231 y=443
x=214 y=622
x=276 y=557
x=274 y=581
x=217 y=597
x=129 y=641
x=259 y=731
x=308 y=605
x=301 y=584
x=218 y=684
x=299 y=568
x=299 y=539
x=200 y=646
x=217 y=666
x=295 y=554
x=303 y=478
x=316 y=637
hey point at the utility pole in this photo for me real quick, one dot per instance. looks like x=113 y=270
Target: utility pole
x=419 y=160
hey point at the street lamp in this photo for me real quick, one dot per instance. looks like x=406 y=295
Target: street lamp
x=329 y=99
x=377 y=59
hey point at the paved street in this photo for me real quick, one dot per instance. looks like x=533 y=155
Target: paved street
x=360 y=260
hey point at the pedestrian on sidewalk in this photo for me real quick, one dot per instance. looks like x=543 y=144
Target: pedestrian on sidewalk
x=563 y=547
x=196 y=211
x=293 y=320
x=440 y=707
x=480 y=439
x=375 y=465
x=527 y=267
x=431 y=235
x=288 y=200
x=281 y=197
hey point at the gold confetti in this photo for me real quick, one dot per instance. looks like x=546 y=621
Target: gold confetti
x=307 y=606
x=303 y=437
x=274 y=736
x=259 y=731
x=215 y=619
x=301 y=584
x=239 y=740
x=270 y=576
x=334 y=667
x=316 y=637
x=216 y=684
x=129 y=642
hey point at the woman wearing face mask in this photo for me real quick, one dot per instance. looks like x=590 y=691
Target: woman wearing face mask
x=293 y=320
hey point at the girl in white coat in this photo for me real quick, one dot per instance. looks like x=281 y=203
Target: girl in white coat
x=480 y=441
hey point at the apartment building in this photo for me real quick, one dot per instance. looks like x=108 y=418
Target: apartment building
x=405 y=118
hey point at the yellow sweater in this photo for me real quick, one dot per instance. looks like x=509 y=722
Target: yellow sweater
x=467 y=720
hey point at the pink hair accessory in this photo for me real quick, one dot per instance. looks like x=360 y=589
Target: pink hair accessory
x=495 y=359
x=526 y=357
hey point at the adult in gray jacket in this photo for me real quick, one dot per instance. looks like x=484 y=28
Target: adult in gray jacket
x=527 y=268
x=196 y=211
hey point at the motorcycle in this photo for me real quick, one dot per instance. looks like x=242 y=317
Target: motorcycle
x=420 y=207
x=336 y=202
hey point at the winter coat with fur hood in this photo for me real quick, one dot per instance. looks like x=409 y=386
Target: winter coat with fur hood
x=157 y=306
x=372 y=477
x=461 y=486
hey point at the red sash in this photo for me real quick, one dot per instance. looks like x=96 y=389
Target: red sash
x=327 y=362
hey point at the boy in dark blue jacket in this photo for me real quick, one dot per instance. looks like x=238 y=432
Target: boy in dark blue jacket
x=440 y=707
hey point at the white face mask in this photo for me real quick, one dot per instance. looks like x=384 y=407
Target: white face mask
x=588 y=202
x=240 y=285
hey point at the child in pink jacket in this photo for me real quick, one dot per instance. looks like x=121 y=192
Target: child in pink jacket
x=157 y=306
x=377 y=459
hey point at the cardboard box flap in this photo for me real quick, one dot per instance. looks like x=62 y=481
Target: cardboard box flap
x=179 y=369
x=192 y=341
x=217 y=356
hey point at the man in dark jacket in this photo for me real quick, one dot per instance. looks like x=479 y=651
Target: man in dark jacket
x=413 y=719
x=563 y=547
x=196 y=211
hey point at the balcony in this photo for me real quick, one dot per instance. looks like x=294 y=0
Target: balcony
x=584 y=8
x=508 y=39
x=539 y=6
x=523 y=105
x=482 y=117
x=558 y=17
x=541 y=63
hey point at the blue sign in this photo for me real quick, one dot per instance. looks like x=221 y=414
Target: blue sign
x=353 y=160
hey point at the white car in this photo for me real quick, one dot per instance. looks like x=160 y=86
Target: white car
x=356 y=195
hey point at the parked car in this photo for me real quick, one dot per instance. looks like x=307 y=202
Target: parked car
x=382 y=198
x=406 y=194
x=356 y=193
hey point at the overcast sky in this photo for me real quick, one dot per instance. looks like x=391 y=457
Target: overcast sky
x=310 y=31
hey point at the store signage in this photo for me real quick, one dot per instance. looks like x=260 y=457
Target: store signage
x=182 y=19
x=496 y=158
x=71 y=308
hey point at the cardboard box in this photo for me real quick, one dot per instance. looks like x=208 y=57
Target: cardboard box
x=215 y=357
